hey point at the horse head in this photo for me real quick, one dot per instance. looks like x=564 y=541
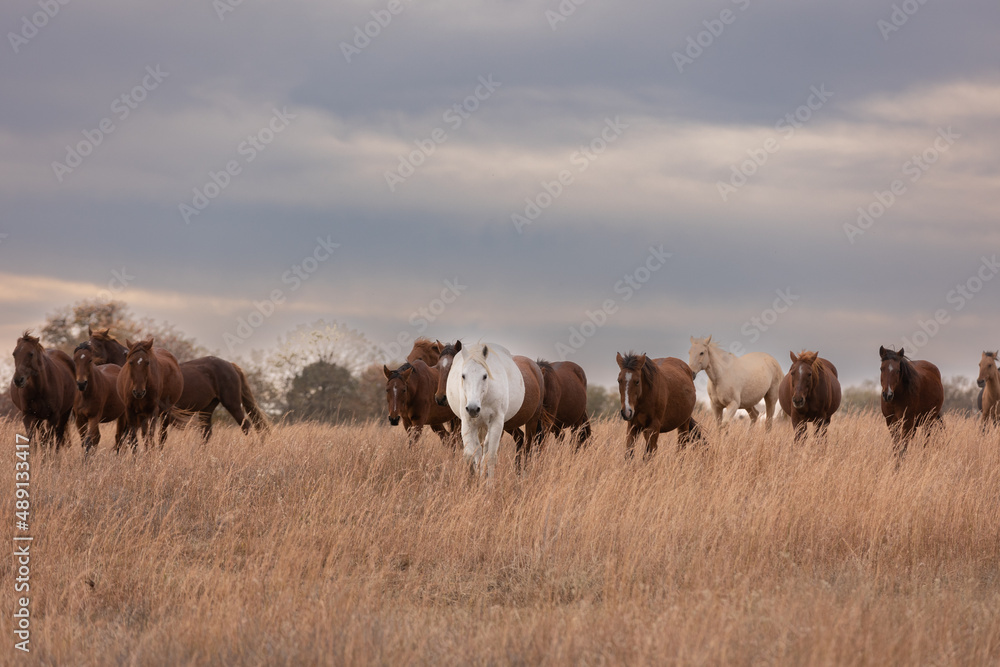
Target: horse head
x=396 y=390
x=426 y=351
x=28 y=356
x=476 y=376
x=445 y=360
x=804 y=373
x=699 y=355
x=987 y=367
x=83 y=361
x=105 y=348
x=630 y=369
x=893 y=372
x=138 y=366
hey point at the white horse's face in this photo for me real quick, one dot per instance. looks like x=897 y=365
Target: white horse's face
x=698 y=355
x=475 y=385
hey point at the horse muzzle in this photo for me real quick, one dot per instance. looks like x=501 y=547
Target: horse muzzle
x=627 y=413
x=393 y=421
x=980 y=383
x=441 y=400
x=138 y=393
x=798 y=402
x=473 y=410
x=20 y=381
x=887 y=395
x=82 y=385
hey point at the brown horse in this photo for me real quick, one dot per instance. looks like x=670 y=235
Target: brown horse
x=657 y=396
x=426 y=351
x=565 y=404
x=106 y=349
x=209 y=381
x=97 y=401
x=445 y=359
x=989 y=381
x=810 y=392
x=409 y=392
x=43 y=389
x=149 y=385
x=912 y=394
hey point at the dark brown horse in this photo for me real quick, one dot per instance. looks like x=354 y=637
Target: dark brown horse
x=106 y=349
x=565 y=403
x=149 y=385
x=810 y=392
x=912 y=394
x=43 y=389
x=657 y=396
x=425 y=350
x=97 y=400
x=989 y=381
x=409 y=392
x=209 y=381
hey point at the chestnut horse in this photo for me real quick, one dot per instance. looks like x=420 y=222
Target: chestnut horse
x=565 y=402
x=409 y=392
x=912 y=394
x=989 y=381
x=810 y=392
x=149 y=384
x=209 y=381
x=97 y=401
x=657 y=397
x=426 y=351
x=43 y=389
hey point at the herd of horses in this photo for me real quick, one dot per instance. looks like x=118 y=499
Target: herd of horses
x=471 y=394
x=476 y=393
x=137 y=385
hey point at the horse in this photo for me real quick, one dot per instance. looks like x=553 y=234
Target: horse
x=493 y=391
x=657 y=396
x=43 y=389
x=97 y=401
x=149 y=384
x=736 y=382
x=912 y=394
x=446 y=359
x=409 y=392
x=565 y=402
x=209 y=381
x=989 y=382
x=810 y=392
x=106 y=349
x=426 y=351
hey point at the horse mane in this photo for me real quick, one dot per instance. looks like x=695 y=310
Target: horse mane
x=85 y=345
x=398 y=373
x=28 y=338
x=630 y=362
x=545 y=366
x=478 y=354
x=103 y=334
x=424 y=343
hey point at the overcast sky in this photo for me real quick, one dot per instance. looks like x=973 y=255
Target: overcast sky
x=513 y=169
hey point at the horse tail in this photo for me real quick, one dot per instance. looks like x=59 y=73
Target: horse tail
x=256 y=415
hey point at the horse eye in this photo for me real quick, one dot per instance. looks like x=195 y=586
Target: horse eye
x=484 y=376
x=463 y=376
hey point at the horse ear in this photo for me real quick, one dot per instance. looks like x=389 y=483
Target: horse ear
x=881 y=351
x=89 y=332
x=709 y=339
x=486 y=350
x=620 y=360
x=792 y=355
x=128 y=343
x=385 y=369
x=692 y=339
x=458 y=346
x=437 y=347
x=406 y=374
x=902 y=352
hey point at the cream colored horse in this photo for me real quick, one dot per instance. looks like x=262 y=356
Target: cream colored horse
x=736 y=383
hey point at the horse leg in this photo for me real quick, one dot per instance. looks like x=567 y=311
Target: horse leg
x=583 y=432
x=717 y=410
x=441 y=432
x=230 y=400
x=799 y=425
x=414 y=434
x=493 y=436
x=519 y=448
x=770 y=400
x=93 y=434
x=120 y=431
x=754 y=414
x=630 y=438
x=688 y=433
x=652 y=438
x=82 y=426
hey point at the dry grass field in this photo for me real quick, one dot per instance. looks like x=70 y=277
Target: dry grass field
x=320 y=545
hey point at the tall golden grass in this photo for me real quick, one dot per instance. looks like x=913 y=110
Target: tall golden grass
x=321 y=545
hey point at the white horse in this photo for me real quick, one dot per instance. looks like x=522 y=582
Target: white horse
x=485 y=388
x=736 y=382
